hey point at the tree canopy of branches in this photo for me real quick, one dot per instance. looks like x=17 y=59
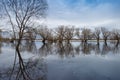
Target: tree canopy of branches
x=60 y=32
x=116 y=34
x=77 y=33
x=86 y=34
x=22 y=12
x=45 y=33
x=96 y=34
x=65 y=33
x=105 y=34
x=69 y=33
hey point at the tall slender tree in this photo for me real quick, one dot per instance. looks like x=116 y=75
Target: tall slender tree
x=86 y=34
x=96 y=34
x=21 y=14
x=105 y=34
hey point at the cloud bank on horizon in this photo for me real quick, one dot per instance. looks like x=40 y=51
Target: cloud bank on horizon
x=84 y=12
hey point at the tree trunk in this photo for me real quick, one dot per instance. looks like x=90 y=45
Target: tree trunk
x=43 y=41
x=118 y=41
x=105 y=41
x=85 y=40
x=68 y=41
x=98 y=41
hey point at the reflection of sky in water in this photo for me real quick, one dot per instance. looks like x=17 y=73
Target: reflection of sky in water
x=88 y=67
x=78 y=67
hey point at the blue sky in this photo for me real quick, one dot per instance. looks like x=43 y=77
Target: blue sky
x=84 y=12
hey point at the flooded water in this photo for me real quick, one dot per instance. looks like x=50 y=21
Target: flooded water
x=74 y=61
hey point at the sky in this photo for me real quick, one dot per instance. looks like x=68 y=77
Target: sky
x=89 y=13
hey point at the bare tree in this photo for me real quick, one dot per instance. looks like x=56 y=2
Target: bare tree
x=45 y=33
x=69 y=33
x=22 y=12
x=116 y=35
x=86 y=34
x=77 y=32
x=60 y=32
x=0 y=35
x=105 y=34
x=96 y=34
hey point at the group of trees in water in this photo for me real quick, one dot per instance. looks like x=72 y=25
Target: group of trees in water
x=68 y=33
x=21 y=15
x=18 y=15
x=65 y=50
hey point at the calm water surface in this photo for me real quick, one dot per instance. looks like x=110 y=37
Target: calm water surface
x=74 y=61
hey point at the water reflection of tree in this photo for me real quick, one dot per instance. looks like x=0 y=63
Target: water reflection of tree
x=6 y=44
x=97 y=49
x=68 y=50
x=60 y=49
x=35 y=69
x=45 y=49
x=1 y=47
x=77 y=49
x=116 y=47
x=105 y=49
x=65 y=50
x=28 y=46
x=86 y=48
x=31 y=69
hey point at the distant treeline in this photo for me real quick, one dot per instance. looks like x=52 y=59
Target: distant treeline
x=67 y=33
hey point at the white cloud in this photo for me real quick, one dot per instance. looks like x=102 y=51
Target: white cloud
x=82 y=14
x=62 y=12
